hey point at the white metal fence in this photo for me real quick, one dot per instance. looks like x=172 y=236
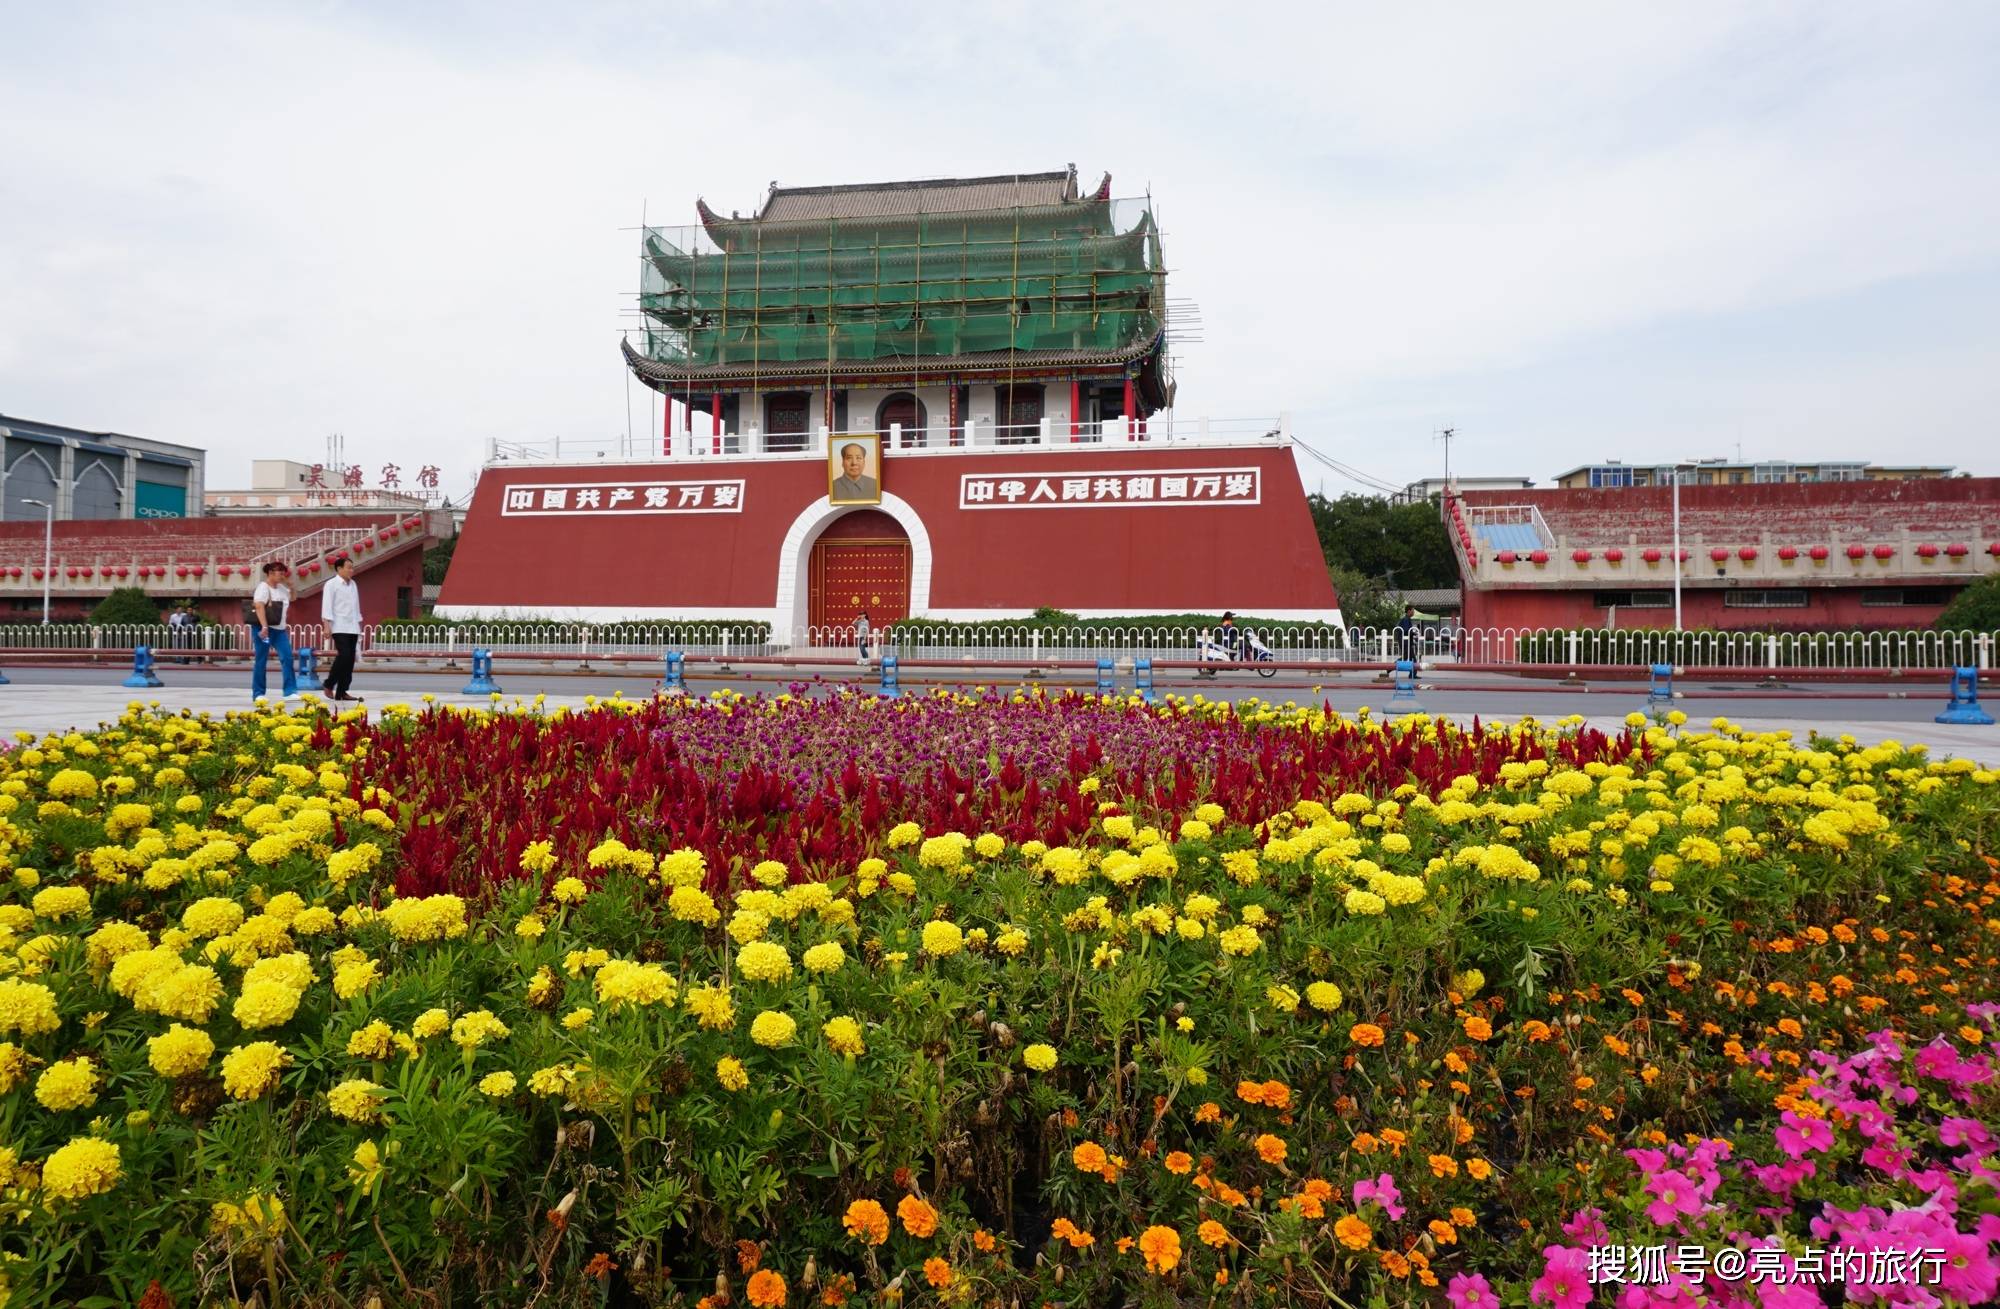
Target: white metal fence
x=1435 y=645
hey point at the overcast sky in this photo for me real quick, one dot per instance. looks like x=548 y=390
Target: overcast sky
x=1573 y=232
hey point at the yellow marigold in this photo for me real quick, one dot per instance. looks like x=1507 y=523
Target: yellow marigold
x=764 y=961
x=265 y=1004
x=825 y=957
x=772 y=1029
x=59 y=902
x=67 y=1084
x=1324 y=996
x=84 y=1167
x=769 y=873
x=27 y=1007
x=426 y=918
x=712 y=1007
x=73 y=784
x=212 y=916
x=14 y=1067
x=180 y=1051
x=497 y=1085
x=569 y=890
x=729 y=1071
x=989 y=845
x=919 y=1219
x=357 y=1099
x=538 y=858
x=904 y=834
x=843 y=1036
x=623 y=982
x=350 y=980
x=867 y=1222
x=1240 y=940
x=942 y=939
x=1366 y=1034
x=476 y=1029
x=249 y=1071
x=766 y=1290
x=556 y=1079
x=1162 y=1248
x=375 y=1040
x=429 y=1023
x=1039 y=1056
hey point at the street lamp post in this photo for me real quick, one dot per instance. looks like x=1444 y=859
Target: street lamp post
x=48 y=552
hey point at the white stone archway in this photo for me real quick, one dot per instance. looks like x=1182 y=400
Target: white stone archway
x=790 y=615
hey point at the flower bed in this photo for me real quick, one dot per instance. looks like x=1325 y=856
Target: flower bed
x=976 y=1001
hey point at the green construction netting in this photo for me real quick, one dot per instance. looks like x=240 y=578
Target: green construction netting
x=1077 y=277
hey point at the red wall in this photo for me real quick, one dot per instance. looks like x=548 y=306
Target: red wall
x=1199 y=557
x=1829 y=607
x=378 y=583
x=1978 y=497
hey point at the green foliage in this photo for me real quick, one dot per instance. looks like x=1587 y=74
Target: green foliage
x=1975 y=609
x=1404 y=546
x=1364 y=601
x=126 y=605
x=437 y=560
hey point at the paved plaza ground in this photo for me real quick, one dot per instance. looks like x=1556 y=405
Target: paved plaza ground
x=56 y=699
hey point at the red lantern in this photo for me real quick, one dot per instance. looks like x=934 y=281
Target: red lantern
x=1580 y=556
x=1538 y=557
x=1819 y=553
x=1747 y=553
x=180 y=570
x=1614 y=555
x=414 y=523
x=13 y=572
x=71 y=573
x=1787 y=553
x=1718 y=554
x=1885 y=552
x=38 y=574
x=1927 y=551
x=121 y=572
x=1958 y=550
x=1651 y=556
x=1993 y=548
x=1857 y=552
x=1506 y=557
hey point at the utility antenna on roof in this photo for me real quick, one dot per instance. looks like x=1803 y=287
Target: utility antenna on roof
x=1447 y=435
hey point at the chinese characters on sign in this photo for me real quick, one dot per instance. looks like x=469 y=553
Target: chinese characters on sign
x=575 y=499
x=1650 y=1265
x=321 y=478
x=1145 y=489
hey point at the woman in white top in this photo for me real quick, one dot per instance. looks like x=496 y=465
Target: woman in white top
x=268 y=604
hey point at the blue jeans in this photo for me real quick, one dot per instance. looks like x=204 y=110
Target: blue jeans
x=260 y=645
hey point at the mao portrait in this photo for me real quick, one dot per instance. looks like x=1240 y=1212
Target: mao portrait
x=854 y=470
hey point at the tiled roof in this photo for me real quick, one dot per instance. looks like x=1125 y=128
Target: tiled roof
x=654 y=373
x=938 y=196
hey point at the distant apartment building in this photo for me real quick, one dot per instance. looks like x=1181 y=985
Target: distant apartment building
x=1613 y=475
x=1427 y=488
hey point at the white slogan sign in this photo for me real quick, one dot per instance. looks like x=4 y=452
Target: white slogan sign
x=608 y=499
x=1130 y=488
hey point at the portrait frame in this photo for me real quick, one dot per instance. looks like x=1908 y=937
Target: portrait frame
x=864 y=489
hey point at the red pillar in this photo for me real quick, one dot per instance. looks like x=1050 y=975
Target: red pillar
x=1130 y=412
x=952 y=436
x=667 y=425
x=1075 y=407
x=715 y=422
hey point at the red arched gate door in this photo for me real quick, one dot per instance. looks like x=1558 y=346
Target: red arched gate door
x=861 y=562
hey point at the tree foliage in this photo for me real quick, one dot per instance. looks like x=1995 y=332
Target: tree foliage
x=1975 y=609
x=1401 y=547
x=128 y=605
x=436 y=560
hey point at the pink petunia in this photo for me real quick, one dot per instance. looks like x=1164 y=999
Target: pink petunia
x=1383 y=1192
x=1565 y=1281
x=1674 y=1193
x=1470 y=1291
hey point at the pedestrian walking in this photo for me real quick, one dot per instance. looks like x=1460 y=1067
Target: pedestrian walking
x=341 y=608
x=861 y=633
x=268 y=604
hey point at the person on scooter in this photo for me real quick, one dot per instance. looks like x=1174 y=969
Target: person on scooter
x=1229 y=636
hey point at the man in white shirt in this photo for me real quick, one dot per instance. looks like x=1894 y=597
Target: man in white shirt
x=268 y=604
x=340 y=607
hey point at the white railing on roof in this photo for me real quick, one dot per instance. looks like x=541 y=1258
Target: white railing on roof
x=1483 y=515
x=972 y=436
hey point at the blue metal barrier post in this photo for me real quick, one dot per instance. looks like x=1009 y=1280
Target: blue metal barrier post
x=482 y=674
x=1404 y=699
x=1964 y=708
x=143 y=675
x=3 y=679
x=1142 y=679
x=1107 y=680
x=307 y=662
x=1660 y=694
x=676 y=680
x=892 y=687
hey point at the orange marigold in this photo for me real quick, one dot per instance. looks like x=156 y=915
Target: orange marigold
x=1395 y=1139
x=1277 y=1095
x=1367 y=1035
x=1250 y=1092
x=1478 y=1028
x=1162 y=1248
x=766 y=1290
x=867 y=1222
x=1443 y=1165
x=1479 y=1169
x=1365 y=1143
x=1065 y=1230
x=1462 y=1217
x=982 y=1240
x=1179 y=1162
x=1213 y=1233
x=919 y=1219
x=1394 y=1264
x=937 y=1271
x=1443 y=1232
x=1353 y=1233
x=1271 y=1149
x=1209 y=1112
x=1090 y=1157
